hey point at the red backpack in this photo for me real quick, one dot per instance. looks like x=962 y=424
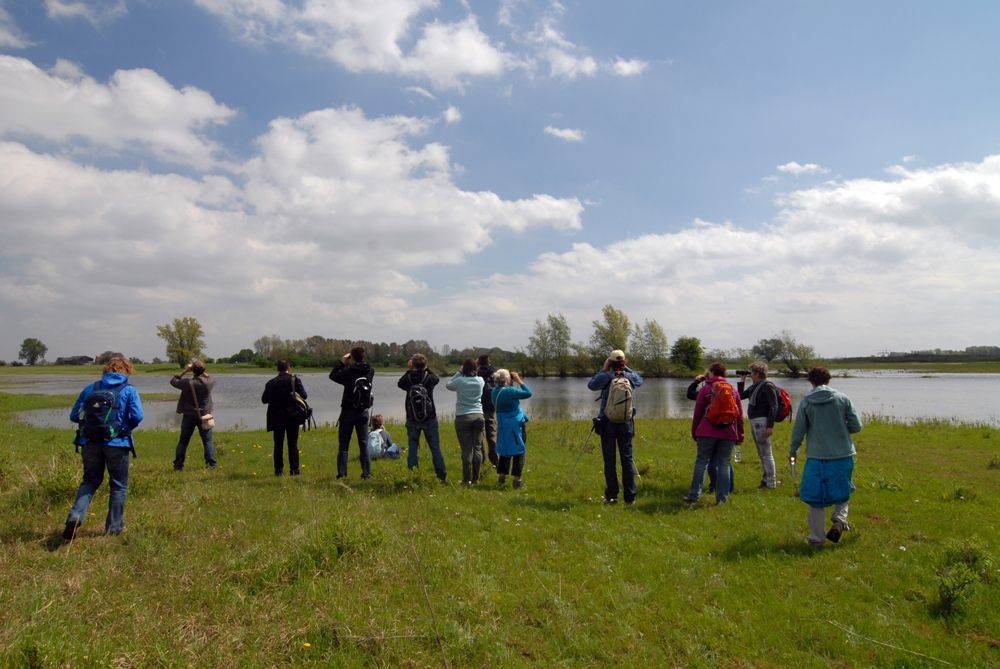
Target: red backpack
x=723 y=407
x=784 y=405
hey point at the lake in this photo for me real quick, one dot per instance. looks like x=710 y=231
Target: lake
x=899 y=395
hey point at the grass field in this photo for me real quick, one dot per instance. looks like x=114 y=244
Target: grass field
x=238 y=568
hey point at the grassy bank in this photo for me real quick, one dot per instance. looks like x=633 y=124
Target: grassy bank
x=237 y=568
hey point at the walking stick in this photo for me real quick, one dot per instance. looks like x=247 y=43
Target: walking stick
x=795 y=478
x=586 y=445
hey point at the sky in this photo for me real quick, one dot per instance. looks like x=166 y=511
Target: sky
x=453 y=170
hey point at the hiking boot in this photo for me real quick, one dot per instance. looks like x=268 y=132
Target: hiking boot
x=501 y=480
x=518 y=483
x=836 y=529
x=610 y=500
x=69 y=532
x=689 y=500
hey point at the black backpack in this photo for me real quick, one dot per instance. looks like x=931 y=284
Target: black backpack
x=100 y=422
x=488 y=386
x=361 y=393
x=420 y=401
x=298 y=410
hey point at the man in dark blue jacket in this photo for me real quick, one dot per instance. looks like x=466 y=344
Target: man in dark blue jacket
x=356 y=376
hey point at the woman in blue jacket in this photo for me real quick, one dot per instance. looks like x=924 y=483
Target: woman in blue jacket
x=469 y=419
x=511 y=433
x=107 y=411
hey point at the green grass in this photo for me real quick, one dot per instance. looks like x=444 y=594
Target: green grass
x=237 y=568
x=918 y=367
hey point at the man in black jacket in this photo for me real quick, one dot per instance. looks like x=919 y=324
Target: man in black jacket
x=356 y=376
x=486 y=372
x=761 y=412
x=278 y=397
x=421 y=415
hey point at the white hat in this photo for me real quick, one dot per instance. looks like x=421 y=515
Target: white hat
x=617 y=355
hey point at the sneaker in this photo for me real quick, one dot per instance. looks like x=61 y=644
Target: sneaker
x=610 y=500
x=69 y=532
x=836 y=529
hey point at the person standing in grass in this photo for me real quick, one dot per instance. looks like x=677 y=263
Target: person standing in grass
x=107 y=412
x=421 y=415
x=278 y=398
x=762 y=410
x=692 y=394
x=512 y=435
x=486 y=372
x=469 y=420
x=826 y=419
x=715 y=437
x=356 y=376
x=195 y=401
x=617 y=429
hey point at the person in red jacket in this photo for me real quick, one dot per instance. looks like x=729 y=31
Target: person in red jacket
x=715 y=441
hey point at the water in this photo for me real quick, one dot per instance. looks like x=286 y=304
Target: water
x=899 y=395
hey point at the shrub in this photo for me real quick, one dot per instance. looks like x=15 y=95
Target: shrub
x=956 y=584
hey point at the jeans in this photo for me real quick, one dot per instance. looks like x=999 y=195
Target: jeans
x=292 y=432
x=430 y=429
x=353 y=421
x=713 y=454
x=490 y=435
x=618 y=435
x=188 y=425
x=469 y=430
x=97 y=457
x=758 y=427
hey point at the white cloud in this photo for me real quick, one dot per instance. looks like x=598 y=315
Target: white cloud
x=850 y=266
x=11 y=36
x=135 y=107
x=629 y=68
x=452 y=115
x=365 y=36
x=796 y=169
x=565 y=134
x=334 y=214
x=422 y=92
x=96 y=12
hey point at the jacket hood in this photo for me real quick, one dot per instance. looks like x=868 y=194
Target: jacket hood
x=820 y=395
x=114 y=379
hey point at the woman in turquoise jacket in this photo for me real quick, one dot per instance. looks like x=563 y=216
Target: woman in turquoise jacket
x=107 y=412
x=469 y=419
x=511 y=433
x=826 y=419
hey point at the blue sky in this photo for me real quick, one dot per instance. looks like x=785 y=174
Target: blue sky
x=451 y=171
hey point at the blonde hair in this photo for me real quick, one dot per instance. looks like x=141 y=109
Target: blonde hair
x=760 y=368
x=118 y=364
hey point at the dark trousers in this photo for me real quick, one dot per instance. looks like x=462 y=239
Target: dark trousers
x=510 y=464
x=292 y=432
x=616 y=438
x=351 y=422
x=97 y=458
x=188 y=425
x=490 y=435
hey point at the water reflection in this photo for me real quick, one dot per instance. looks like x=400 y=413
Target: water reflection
x=238 y=406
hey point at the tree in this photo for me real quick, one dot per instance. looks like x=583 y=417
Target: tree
x=183 y=338
x=540 y=345
x=798 y=357
x=649 y=348
x=559 y=341
x=686 y=352
x=32 y=350
x=768 y=349
x=611 y=334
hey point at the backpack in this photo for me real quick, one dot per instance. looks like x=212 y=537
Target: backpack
x=374 y=445
x=100 y=422
x=420 y=401
x=620 y=405
x=723 y=409
x=488 y=385
x=298 y=410
x=784 y=404
x=361 y=393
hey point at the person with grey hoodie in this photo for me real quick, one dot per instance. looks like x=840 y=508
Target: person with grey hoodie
x=826 y=419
